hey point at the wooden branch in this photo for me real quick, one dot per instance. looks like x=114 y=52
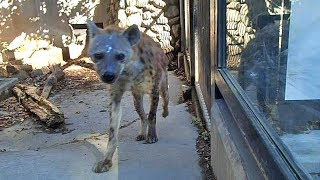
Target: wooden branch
x=52 y=80
x=44 y=109
x=80 y=62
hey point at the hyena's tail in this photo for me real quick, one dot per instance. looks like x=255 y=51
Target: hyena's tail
x=165 y=95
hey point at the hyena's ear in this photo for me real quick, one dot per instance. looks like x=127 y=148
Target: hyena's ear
x=93 y=29
x=132 y=34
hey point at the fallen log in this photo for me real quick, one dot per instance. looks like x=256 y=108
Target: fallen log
x=41 y=107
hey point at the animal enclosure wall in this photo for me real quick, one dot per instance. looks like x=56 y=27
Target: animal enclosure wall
x=51 y=20
x=47 y=19
x=160 y=19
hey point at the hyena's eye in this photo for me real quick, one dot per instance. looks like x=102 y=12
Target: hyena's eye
x=98 y=56
x=120 y=57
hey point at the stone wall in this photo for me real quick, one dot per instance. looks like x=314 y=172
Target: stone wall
x=242 y=23
x=50 y=19
x=157 y=18
x=239 y=30
x=47 y=19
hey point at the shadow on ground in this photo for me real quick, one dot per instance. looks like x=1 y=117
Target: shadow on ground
x=28 y=152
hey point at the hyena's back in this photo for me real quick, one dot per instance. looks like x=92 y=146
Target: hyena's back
x=156 y=63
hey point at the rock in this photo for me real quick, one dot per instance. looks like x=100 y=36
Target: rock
x=22 y=75
x=142 y=3
x=156 y=40
x=186 y=94
x=58 y=72
x=46 y=70
x=18 y=41
x=8 y=56
x=162 y=20
x=19 y=55
x=172 y=2
x=147 y=23
x=173 y=21
x=157 y=13
x=43 y=58
x=25 y=67
x=147 y=15
x=3 y=72
x=172 y=11
x=133 y=10
x=158 y=3
x=151 y=34
x=164 y=35
x=165 y=44
x=122 y=17
x=176 y=30
x=157 y=28
x=122 y=24
x=166 y=27
x=168 y=49
x=11 y=69
x=134 y=19
x=152 y=8
x=122 y=4
x=142 y=29
x=36 y=73
x=131 y=2
x=16 y=62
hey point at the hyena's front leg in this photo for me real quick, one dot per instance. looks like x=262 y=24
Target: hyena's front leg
x=115 y=115
x=138 y=103
x=152 y=133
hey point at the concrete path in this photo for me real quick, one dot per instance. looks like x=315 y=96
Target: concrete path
x=27 y=152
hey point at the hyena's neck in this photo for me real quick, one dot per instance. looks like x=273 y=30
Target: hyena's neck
x=133 y=69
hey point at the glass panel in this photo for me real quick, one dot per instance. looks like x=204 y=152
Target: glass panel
x=272 y=51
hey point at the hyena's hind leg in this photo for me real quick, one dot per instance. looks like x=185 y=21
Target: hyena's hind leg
x=165 y=95
x=151 y=131
x=138 y=104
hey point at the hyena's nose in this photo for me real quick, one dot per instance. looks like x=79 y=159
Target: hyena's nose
x=108 y=77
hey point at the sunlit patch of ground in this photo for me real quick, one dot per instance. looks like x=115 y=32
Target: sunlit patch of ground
x=77 y=77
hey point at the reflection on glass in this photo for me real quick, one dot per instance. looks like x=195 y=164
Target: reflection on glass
x=275 y=60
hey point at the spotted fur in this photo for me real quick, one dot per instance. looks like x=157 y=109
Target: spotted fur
x=129 y=60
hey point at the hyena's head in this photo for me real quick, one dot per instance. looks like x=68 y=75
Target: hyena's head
x=111 y=50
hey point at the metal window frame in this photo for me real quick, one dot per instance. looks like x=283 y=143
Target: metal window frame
x=271 y=155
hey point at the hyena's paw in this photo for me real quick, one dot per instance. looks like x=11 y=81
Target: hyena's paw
x=165 y=113
x=151 y=137
x=140 y=137
x=102 y=166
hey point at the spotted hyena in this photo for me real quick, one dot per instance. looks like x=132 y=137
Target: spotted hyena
x=129 y=60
